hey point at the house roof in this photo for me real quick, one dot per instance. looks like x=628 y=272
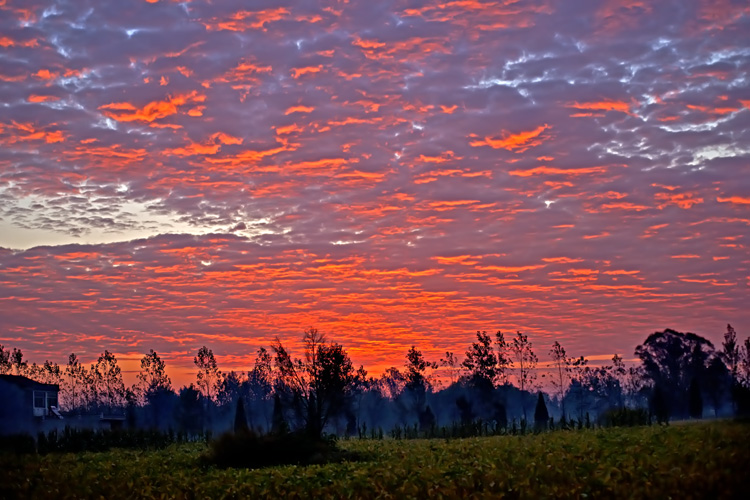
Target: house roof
x=26 y=383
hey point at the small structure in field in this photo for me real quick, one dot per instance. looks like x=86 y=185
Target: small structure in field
x=26 y=404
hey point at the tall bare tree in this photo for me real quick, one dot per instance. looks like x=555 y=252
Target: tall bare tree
x=525 y=364
x=209 y=376
x=107 y=381
x=153 y=377
x=319 y=385
x=561 y=368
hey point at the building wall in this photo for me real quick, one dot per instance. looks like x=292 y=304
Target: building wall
x=16 y=410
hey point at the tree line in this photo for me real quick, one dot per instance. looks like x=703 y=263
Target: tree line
x=497 y=382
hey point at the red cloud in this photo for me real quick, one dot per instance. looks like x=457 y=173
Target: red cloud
x=155 y=110
x=518 y=142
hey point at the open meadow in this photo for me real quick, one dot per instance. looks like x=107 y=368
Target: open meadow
x=688 y=460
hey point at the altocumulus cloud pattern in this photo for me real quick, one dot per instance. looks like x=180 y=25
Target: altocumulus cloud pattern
x=174 y=174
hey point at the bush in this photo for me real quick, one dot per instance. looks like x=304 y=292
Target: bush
x=17 y=443
x=79 y=440
x=249 y=450
x=625 y=417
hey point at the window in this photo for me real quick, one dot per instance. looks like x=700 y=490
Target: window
x=39 y=399
x=51 y=399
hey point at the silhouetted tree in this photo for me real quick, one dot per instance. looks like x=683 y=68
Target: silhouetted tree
x=450 y=362
x=501 y=356
x=4 y=360
x=47 y=373
x=671 y=360
x=209 y=376
x=417 y=384
x=232 y=386
x=240 y=418
x=695 y=400
x=525 y=361
x=660 y=405
x=320 y=384
x=278 y=422
x=577 y=392
x=426 y=419
x=541 y=415
x=717 y=383
x=465 y=410
x=392 y=383
x=481 y=363
x=153 y=377
x=107 y=380
x=12 y=362
x=744 y=364
x=730 y=353
x=500 y=415
x=561 y=367
x=190 y=410
x=77 y=386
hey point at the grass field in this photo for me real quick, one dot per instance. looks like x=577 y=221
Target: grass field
x=704 y=460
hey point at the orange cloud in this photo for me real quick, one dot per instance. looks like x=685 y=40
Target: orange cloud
x=558 y=171
x=29 y=132
x=307 y=70
x=444 y=157
x=245 y=71
x=299 y=109
x=606 y=105
x=735 y=200
x=561 y=260
x=511 y=269
x=155 y=110
x=6 y=42
x=43 y=98
x=45 y=74
x=244 y=20
x=113 y=157
x=712 y=110
x=519 y=142
x=682 y=200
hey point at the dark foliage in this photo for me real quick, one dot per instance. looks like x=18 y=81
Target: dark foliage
x=249 y=450
x=19 y=444
x=660 y=405
x=671 y=361
x=80 y=440
x=625 y=417
x=278 y=422
x=317 y=388
x=695 y=400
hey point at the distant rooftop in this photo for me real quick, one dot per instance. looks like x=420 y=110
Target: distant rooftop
x=27 y=383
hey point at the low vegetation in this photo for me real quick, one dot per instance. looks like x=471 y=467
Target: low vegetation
x=252 y=451
x=691 y=460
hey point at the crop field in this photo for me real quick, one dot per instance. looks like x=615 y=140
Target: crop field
x=703 y=460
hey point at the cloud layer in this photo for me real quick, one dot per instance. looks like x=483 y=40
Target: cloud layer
x=392 y=172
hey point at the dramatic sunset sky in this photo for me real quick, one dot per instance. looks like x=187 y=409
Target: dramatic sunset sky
x=183 y=173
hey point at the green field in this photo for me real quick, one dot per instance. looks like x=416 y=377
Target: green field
x=705 y=460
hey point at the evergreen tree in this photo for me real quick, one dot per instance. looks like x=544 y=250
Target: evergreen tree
x=240 y=417
x=541 y=415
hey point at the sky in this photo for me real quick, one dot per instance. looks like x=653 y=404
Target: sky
x=183 y=173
